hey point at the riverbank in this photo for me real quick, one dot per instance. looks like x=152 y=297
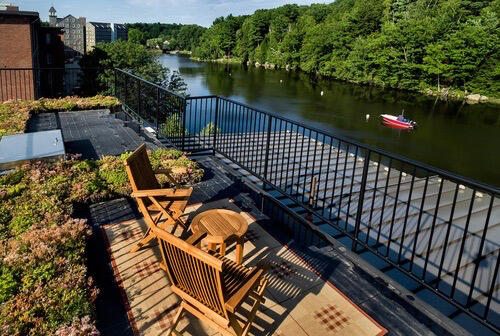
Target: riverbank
x=443 y=93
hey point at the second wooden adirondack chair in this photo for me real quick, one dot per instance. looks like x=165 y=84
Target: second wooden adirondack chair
x=211 y=287
x=160 y=207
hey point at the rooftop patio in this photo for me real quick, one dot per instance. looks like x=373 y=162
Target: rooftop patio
x=312 y=291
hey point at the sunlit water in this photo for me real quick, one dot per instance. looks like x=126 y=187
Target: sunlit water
x=457 y=137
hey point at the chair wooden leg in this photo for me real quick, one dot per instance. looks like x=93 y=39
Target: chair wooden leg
x=148 y=236
x=239 y=250
x=176 y=320
x=223 y=249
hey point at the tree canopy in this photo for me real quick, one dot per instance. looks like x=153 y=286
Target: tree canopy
x=406 y=44
x=175 y=36
x=128 y=56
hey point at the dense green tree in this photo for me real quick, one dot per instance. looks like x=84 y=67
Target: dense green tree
x=137 y=36
x=177 y=36
x=407 y=44
x=127 y=56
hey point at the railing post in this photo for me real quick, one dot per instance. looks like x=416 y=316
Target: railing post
x=266 y=159
x=361 y=199
x=183 y=130
x=157 y=118
x=216 y=123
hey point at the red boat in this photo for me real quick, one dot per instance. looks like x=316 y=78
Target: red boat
x=393 y=122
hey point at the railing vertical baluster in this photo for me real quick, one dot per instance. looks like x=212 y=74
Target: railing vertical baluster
x=266 y=159
x=216 y=124
x=417 y=230
x=406 y=214
x=492 y=289
x=393 y=216
x=462 y=245
x=157 y=118
x=433 y=226
x=183 y=130
x=447 y=236
x=477 y=261
x=357 y=223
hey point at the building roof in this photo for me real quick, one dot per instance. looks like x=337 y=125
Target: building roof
x=119 y=26
x=52 y=10
x=100 y=24
x=19 y=13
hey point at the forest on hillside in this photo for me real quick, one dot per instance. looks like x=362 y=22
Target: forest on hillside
x=177 y=36
x=447 y=46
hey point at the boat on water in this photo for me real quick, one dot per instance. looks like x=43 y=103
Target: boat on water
x=393 y=122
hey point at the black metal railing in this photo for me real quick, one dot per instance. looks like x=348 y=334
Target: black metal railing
x=34 y=83
x=439 y=229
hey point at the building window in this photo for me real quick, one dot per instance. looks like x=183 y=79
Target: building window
x=50 y=59
x=47 y=38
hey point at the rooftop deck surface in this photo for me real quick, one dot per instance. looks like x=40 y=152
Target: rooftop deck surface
x=383 y=302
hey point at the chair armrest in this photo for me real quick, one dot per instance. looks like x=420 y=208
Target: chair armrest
x=171 y=193
x=252 y=281
x=195 y=238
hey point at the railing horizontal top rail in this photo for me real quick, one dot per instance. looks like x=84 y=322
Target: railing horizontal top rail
x=150 y=83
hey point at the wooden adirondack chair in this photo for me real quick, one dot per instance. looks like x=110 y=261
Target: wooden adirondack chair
x=159 y=206
x=211 y=287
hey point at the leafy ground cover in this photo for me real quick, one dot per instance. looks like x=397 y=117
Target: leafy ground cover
x=15 y=114
x=44 y=286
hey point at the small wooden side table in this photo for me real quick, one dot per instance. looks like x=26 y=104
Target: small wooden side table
x=222 y=227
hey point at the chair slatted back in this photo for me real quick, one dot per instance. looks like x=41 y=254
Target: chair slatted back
x=139 y=170
x=194 y=272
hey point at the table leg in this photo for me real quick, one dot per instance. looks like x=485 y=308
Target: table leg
x=239 y=250
x=223 y=249
x=211 y=246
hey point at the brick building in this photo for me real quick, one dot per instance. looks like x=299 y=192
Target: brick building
x=25 y=45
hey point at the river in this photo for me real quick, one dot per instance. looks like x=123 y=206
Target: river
x=457 y=137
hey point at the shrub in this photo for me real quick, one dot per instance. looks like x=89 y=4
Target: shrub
x=44 y=288
x=209 y=129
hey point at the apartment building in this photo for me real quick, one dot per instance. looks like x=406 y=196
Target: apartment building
x=98 y=32
x=120 y=32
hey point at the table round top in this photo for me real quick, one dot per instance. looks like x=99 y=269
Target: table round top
x=219 y=224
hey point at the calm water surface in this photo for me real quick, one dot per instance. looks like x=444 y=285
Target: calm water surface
x=460 y=138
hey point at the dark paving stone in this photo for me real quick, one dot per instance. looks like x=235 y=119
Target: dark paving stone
x=92 y=134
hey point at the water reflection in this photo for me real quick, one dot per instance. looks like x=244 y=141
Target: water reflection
x=462 y=138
